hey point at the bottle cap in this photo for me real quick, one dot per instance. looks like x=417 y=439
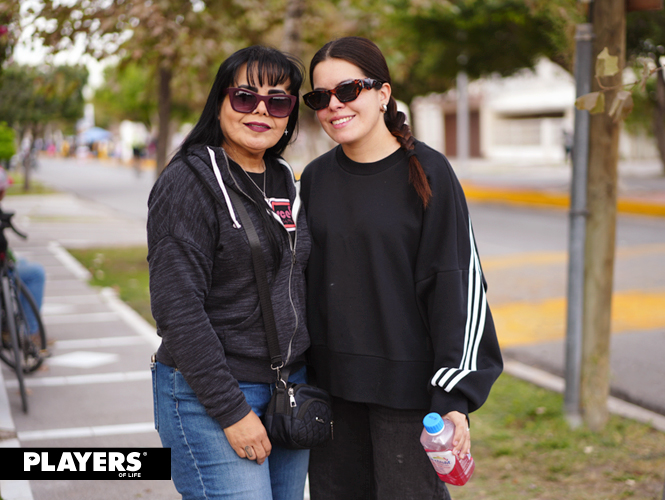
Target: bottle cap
x=433 y=423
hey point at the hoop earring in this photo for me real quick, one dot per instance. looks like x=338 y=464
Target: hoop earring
x=384 y=108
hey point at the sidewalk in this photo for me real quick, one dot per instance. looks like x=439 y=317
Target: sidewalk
x=95 y=388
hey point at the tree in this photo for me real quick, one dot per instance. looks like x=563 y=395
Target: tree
x=610 y=36
x=645 y=38
x=31 y=97
x=437 y=40
x=9 y=29
x=7 y=146
x=172 y=37
x=128 y=93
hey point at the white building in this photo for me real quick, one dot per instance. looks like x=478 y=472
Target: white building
x=522 y=118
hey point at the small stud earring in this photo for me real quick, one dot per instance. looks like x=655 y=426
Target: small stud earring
x=384 y=108
x=286 y=132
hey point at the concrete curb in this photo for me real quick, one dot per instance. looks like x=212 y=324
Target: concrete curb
x=616 y=406
x=534 y=197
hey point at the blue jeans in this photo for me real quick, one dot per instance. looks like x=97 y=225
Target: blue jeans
x=33 y=277
x=203 y=464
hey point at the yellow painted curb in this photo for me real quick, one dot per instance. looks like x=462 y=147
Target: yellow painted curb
x=516 y=196
x=543 y=198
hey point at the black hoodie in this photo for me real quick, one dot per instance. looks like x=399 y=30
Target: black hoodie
x=203 y=291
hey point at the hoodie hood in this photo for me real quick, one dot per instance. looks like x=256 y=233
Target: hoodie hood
x=214 y=169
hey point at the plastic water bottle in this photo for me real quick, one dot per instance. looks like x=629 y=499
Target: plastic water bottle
x=437 y=439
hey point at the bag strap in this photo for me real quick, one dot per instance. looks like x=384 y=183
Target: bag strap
x=276 y=362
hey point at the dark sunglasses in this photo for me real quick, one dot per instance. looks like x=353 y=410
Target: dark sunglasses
x=345 y=92
x=246 y=101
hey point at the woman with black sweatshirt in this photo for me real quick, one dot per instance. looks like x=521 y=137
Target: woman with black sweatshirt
x=397 y=312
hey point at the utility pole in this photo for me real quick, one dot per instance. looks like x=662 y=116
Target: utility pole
x=577 y=229
x=609 y=21
x=462 y=118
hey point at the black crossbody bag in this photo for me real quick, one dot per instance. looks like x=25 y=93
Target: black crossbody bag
x=299 y=416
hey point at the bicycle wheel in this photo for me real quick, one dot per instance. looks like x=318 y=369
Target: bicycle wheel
x=9 y=320
x=33 y=343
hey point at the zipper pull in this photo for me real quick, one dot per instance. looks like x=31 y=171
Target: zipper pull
x=292 y=399
x=293 y=257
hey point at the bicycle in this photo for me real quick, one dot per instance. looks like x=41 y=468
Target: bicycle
x=21 y=349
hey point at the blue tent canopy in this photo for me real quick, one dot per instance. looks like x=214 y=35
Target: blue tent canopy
x=95 y=134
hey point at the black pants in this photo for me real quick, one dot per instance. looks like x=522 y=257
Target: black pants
x=375 y=455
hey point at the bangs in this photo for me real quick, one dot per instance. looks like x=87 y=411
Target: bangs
x=269 y=72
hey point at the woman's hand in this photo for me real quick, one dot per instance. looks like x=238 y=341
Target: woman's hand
x=462 y=437
x=249 y=439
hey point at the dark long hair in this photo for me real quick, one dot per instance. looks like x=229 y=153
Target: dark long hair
x=268 y=65
x=365 y=54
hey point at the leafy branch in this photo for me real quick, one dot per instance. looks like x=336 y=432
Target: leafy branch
x=607 y=66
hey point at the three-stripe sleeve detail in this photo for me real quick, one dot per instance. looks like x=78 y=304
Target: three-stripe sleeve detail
x=446 y=377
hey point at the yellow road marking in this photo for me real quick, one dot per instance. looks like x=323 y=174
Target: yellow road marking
x=530 y=322
x=547 y=258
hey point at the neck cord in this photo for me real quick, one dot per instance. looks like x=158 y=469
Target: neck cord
x=265 y=175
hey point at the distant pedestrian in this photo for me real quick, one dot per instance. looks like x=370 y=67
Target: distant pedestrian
x=212 y=375
x=568 y=145
x=137 y=153
x=397 y=310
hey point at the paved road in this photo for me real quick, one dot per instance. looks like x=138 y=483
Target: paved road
x=524 y=257
x=106 y=182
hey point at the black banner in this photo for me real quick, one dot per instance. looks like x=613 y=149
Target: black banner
x=85 y=463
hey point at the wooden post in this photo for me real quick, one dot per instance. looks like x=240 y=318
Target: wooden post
x=609 y=19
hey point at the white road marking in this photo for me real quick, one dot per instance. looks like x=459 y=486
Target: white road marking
x=100 y=342
x=91 y=378
x=76 y=432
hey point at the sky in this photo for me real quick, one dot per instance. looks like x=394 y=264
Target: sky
x=26 y=52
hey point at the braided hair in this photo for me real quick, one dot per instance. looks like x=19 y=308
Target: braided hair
x=367 y=56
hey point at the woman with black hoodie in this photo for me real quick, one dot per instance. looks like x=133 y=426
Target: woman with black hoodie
x=212 y=374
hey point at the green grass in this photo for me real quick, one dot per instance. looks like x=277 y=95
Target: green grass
x=524 y=449
x=123 y=269
x=522 y=445
x=17 y=187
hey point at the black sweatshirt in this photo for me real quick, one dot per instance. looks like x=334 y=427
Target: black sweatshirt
x=203 y=290
x=396 y=306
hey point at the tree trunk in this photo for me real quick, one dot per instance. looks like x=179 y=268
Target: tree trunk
x=27 y=159
x=610 y=31
x=292 y=18
x=164 y=99
x=659 y=111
